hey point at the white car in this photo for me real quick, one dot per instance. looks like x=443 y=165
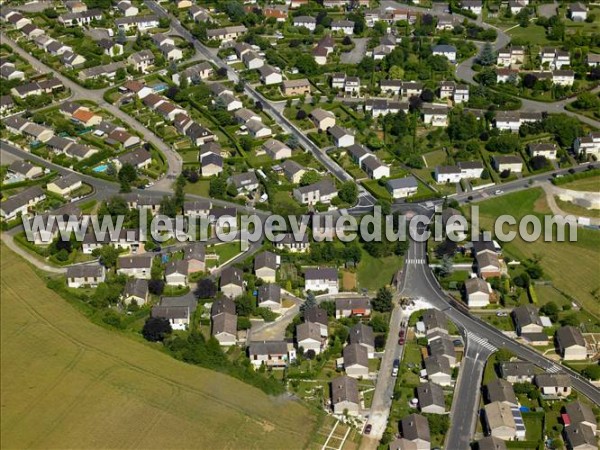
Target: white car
x=499 y=191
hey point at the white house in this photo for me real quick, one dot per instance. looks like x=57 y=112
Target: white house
x=447 y=51
x=563 y=77
x=323 y=279
x=305 y=21
x=512 y=163
x=477 y=292
x=308 y=337
x=578 y=12
x=341 y=136
x=345 y=26
x=571 y=343
x=402 y=187
x=448 y=174
x=85 y=275
x=547 y=150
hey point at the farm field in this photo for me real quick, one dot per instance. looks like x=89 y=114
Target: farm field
x=555 y=256
x=67 y=383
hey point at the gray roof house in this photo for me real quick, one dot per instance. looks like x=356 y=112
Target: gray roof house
x=344 y=396
x=431 y=398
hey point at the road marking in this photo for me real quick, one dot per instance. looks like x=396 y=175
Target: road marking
x=415 y=261
x=481 y=341
x=554 y=369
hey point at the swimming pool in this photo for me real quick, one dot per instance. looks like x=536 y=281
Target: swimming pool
x=101 y=168
x=160 y=87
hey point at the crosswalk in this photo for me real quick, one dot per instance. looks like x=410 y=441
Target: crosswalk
x=481 y=341
x=553 y=369
x=416 y=261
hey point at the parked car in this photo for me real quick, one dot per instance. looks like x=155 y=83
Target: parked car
x=368 y=428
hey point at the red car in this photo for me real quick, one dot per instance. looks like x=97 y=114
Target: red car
x=368 y=428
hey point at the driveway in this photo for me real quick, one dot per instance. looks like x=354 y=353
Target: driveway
x=357 y=53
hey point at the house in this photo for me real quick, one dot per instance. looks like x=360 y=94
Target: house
x=320 y=192
x=199 y=14
x=448 y=174
x=122 y=139
x=230 y=102
x=65 y=185
x=199 y=135
x=447 y=89
x=511 y=163
x=570 y=343
x=475 y=6
x=527 y=320
x=245 y=115
x=435 y=115
x=374 y=168
x=141 y=61
x=265 y=266
x=317 y=316
x=212 y=164
x=435 y=320
x=75 y=6
x=323 y=279
x=270 y=75
x=402 y=187
x=488 y=265
x=195 y=255
x=139 y=159
x=195 y=73
x=415 y=429
x=19 y=204
x=592 y=60
x=322 y=119
x=37 y=132
x=580 y=437
x=292 y=171
x=517 y=372
x=506 y=76
x=499 y=390
x=563 y=77
x=352 y=307
x=477 y=293
x=511 y=55
x=80 y=18
x=293 y=245
x=127 y=9
x=136 y=266
x=198 y=208
x=244 y=182
x=363 y=335
x=352 y=86
x=177 y=310
x=6 y=104
x=141 y=23
x=232 y=282
x=31 y=31
x=491 y=443
x=110 y=48
x=296 y=87
x=547 y=150
x=226 y=34
x=273 y=354
x=356 y=361
x=308 y=337
x=470 y=169
x=9 y=72
x=25 y=169
x=344 y=26
x=26 y=90
x=280 y=15
x=358 y=153
x=553 y=385
x=85 y=275
x=554 y=58
x=258 y=130
x=431 y=398
x=305 y=21
x=277 y=150
x=224 y=329
x=588 y=145
x=18 y=20
x=499 y=421
x=136 y=290
x=108 y=71
x=382 y=107
x=252 y=61
x=176 y=273
x=72 y=60
x=447 y=51
x=86 y=117
x=345 y=398
x=578 y=12
x=445 y=23
x=580 y=413
x=338 y=80
x=341 y=136
x=461 y=94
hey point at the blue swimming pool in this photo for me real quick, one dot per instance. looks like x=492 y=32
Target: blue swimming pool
x=101 y=168
x=160 y=87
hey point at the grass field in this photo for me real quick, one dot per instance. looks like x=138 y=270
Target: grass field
x=225 y=251
x=533 y=34
x=199 y=188
x=591 y=184
x=572 y=208
x=580 y=257
x=374 y=273
x=67 y=383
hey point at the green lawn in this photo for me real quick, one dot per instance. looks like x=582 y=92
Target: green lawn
x=591 y=184
x=374 y=273
x=376 y=189
x=437 y=158
x=533 y=34
x=225 y=251
x=200 y=188
x=572 y=208
x=581 y=255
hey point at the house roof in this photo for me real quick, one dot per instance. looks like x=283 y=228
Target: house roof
x=580 y=435
x=135 y=157
x=324 y=186
x=446 y=170
x=487 y=260
x=403 y=183
x=135 y=262
x=222 y=305
x=21 y=167
x=321 y=273
x=22 y=198
x=500 y=390
x=344 y=389
x=316 y=315
x=352 y=303
x=320 y=114
x=473 y=285
x=85 y=270
x=67 y=181
x=552 y=380
x=362 y=334
x=290 y=167
x=268 y=348
x=435 y=319
x=443 y=48
x=580 y=412
x=499 y=415
x=569 y=336
x=224 y=323
x=517 y=368
x=430 y=394
x=176 y=267
x=269 y=293
x=295 y=83
x=442 y=346
x=232 y=275
x=355 y=354
x=194 y=250
x=83 y=115
x=241 y=180
x=526 y=315
x=470 y=165
x=338 y=132
x=508 y=159
x=437 y=364
x=308 y=330
x=415 y=426
x=265 y=259
x=542 y=147
x=136 y=287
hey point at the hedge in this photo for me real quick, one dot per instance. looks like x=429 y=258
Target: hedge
x=575 y=176
x=532 y=294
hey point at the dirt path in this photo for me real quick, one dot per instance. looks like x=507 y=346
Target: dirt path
x=11 y=244
x=552 y=191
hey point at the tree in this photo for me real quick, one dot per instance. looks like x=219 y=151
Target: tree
x=486 y=56
x=529 y=81
x=218 y=187
x=232 y=190
x=445 y=268
x=309 y=177
x=383 y=300
x=306 y=64
x=309 y=303
x=156 y=329
x=550 y=309
x=379 y=324
x=127 y=174
x=50 y=13
x=247 y=143
x=206 y=288
x=592 y=372
x=245 y=305
x=156 y=287
x=348 y=192
x=301 y=114
x=107 y=254
x=571 y=320
x=427 y=95
x=504 y=355
x=539 y=162
x=347 y=40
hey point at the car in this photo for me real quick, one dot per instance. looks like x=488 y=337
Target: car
x=368 y=428
x=157 y=249
x=499 y=191
x=401 y=341
x=501 y=314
